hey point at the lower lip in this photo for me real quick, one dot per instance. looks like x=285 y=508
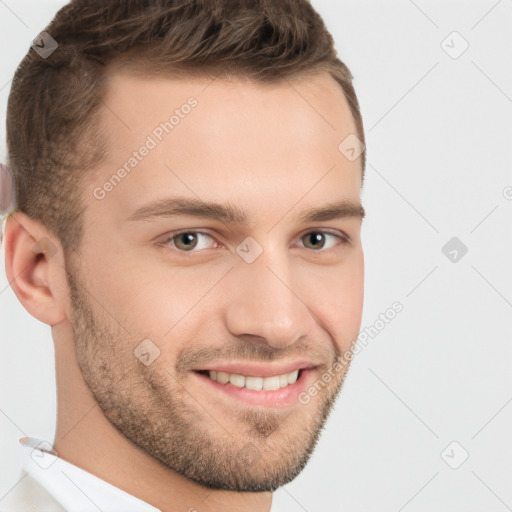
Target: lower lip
x=284 y=397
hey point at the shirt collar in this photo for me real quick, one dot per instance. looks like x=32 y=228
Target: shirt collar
x=74 y=488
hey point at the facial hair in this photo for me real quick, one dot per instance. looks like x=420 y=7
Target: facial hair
x=255 y=449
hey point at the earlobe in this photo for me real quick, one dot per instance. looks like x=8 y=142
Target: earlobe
x=33 y=268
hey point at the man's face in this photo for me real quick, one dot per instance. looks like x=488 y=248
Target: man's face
x=292 y=294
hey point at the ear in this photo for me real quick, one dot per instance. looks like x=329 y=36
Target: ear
x=34 y=264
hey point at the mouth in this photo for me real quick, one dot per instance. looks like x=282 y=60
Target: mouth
x=276 y=391
x=254 y=382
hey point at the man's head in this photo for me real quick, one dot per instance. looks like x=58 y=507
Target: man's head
x=217 y=123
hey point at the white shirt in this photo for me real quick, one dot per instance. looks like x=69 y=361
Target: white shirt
x=75 y=489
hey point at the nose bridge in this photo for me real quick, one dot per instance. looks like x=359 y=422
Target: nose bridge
x=265 y=304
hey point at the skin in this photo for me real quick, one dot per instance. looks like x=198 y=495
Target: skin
x=158 y=432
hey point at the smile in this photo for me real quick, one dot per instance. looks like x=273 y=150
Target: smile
x=277 y=391
x=255 y=383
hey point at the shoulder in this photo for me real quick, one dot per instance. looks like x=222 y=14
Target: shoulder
x=27 y=495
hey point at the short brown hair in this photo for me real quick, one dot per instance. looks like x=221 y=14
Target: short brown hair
x=54 y=104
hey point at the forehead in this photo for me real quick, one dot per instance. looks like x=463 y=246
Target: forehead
x=311 y=108
x=221 y=139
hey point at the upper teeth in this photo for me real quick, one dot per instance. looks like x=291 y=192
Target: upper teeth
x=256 y=383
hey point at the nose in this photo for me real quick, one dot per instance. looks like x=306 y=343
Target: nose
x=265 y=302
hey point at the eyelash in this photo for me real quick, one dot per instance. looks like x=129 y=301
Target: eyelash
x=344 y=239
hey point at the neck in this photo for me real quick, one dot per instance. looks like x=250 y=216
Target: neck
x=84 y=437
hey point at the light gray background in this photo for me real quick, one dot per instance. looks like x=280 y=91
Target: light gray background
x=439 y=160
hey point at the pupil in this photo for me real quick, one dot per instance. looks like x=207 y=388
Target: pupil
x=316 y=237
x=187 y=237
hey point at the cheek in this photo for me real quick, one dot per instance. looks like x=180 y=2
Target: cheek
x=338 y=302
x=161 y=303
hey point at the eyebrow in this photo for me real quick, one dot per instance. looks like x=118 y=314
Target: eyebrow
x=229 y=213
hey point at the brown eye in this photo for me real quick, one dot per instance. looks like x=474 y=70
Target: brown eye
x=318 y=239
x=188 y=241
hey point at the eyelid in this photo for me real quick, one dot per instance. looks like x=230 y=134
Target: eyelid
x=168 y=238
x=343 y=237
x=338 y=233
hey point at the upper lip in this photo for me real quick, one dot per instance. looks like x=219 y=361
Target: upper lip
x=259 y=370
